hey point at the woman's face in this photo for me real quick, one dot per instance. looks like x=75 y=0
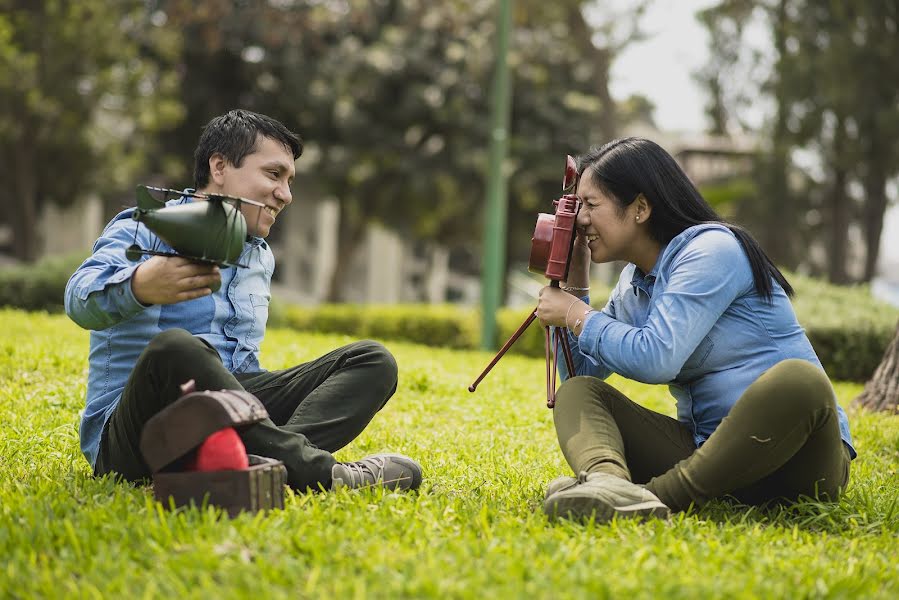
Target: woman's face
x=610 y=231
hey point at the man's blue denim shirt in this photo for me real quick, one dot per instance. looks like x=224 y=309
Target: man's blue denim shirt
x=696 y=323
x=99 y=297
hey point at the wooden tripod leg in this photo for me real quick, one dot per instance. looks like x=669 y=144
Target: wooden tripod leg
x=549 y=359
x=551 y=399
x=502 y=350
x=566 y=349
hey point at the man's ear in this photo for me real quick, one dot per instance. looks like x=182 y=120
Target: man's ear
x=644 y=208
x=217 y=164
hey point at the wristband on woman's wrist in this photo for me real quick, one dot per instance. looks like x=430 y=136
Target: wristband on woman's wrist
x=580 y=320
x=567 y=312
x=570 y=289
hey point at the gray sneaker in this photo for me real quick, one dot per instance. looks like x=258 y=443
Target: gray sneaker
x=392 y=471
x=604 y=497
x=562 y=483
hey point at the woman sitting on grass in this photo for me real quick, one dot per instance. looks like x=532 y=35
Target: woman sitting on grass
x=701 y=308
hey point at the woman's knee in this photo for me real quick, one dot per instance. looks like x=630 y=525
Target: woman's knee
x=577 y=391
x=806 y=385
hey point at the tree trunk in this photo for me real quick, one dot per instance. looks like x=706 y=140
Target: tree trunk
x=882 y=390
x=839 y=212
x=607 y=119
x=23 y=212
x=350 y=229
x=839 y=228
x=875 y=207
x=782 y=219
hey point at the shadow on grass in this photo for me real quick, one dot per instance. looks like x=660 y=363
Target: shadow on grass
x=858 y=511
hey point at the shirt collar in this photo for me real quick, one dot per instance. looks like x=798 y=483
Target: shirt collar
x=645 y=281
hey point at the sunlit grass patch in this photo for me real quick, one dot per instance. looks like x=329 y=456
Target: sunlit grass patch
x=476 y=528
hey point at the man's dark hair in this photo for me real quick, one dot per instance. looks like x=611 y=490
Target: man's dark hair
x=234 y=135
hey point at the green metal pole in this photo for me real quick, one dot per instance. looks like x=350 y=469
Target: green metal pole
x=495 y=215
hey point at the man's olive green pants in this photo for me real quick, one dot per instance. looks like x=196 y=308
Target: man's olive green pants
x=314 y=408
x=781 y=440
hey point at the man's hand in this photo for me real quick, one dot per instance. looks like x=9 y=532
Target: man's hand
x=172 y=279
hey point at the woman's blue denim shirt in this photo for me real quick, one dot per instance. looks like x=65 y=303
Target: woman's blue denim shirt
x=99 y=297
x=696 y=323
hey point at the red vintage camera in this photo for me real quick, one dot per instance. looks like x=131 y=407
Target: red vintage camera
x=554 y=234
x=550 y=255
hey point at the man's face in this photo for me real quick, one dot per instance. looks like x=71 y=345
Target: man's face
x=264 y=176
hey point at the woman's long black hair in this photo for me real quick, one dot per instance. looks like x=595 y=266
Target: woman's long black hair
x=628 y=167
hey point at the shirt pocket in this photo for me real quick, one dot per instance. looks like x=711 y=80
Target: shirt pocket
x=694 y=367
x=259 y=303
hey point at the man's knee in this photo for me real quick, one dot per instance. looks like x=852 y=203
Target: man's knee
x=174 y=346
x=380 y=358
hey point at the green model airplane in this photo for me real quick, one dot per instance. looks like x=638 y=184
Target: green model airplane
x=210 y=229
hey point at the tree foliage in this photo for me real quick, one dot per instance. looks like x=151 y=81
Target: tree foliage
x=392 y=99
x=390 y=96
x=830 y=76
x=80 y=102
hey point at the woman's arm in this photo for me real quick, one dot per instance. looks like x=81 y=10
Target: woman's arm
x=704 y=278
x=584 y=364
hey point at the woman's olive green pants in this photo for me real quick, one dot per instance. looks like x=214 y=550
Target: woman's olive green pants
x=781 y=440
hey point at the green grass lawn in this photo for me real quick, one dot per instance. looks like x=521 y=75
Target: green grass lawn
x=476 y=529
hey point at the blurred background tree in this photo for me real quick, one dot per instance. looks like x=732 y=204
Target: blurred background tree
x=85 y=88
x=391 y=98
x=832 y=140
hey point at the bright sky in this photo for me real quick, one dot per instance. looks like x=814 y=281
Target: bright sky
x=661 y=67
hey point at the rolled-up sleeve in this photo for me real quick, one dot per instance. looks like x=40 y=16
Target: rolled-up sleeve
x=584 y=363
x=704 y=279
x=99 y=294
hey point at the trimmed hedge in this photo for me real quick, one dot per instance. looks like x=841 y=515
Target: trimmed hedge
x=38 y=286
x=847 y=327
x=433 y=325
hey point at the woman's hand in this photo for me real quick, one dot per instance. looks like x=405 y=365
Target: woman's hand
x=579 y=266
x=554 y=307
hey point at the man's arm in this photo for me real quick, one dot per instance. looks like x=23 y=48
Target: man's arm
x=108 y=288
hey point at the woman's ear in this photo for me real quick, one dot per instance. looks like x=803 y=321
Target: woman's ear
x=643 y=208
